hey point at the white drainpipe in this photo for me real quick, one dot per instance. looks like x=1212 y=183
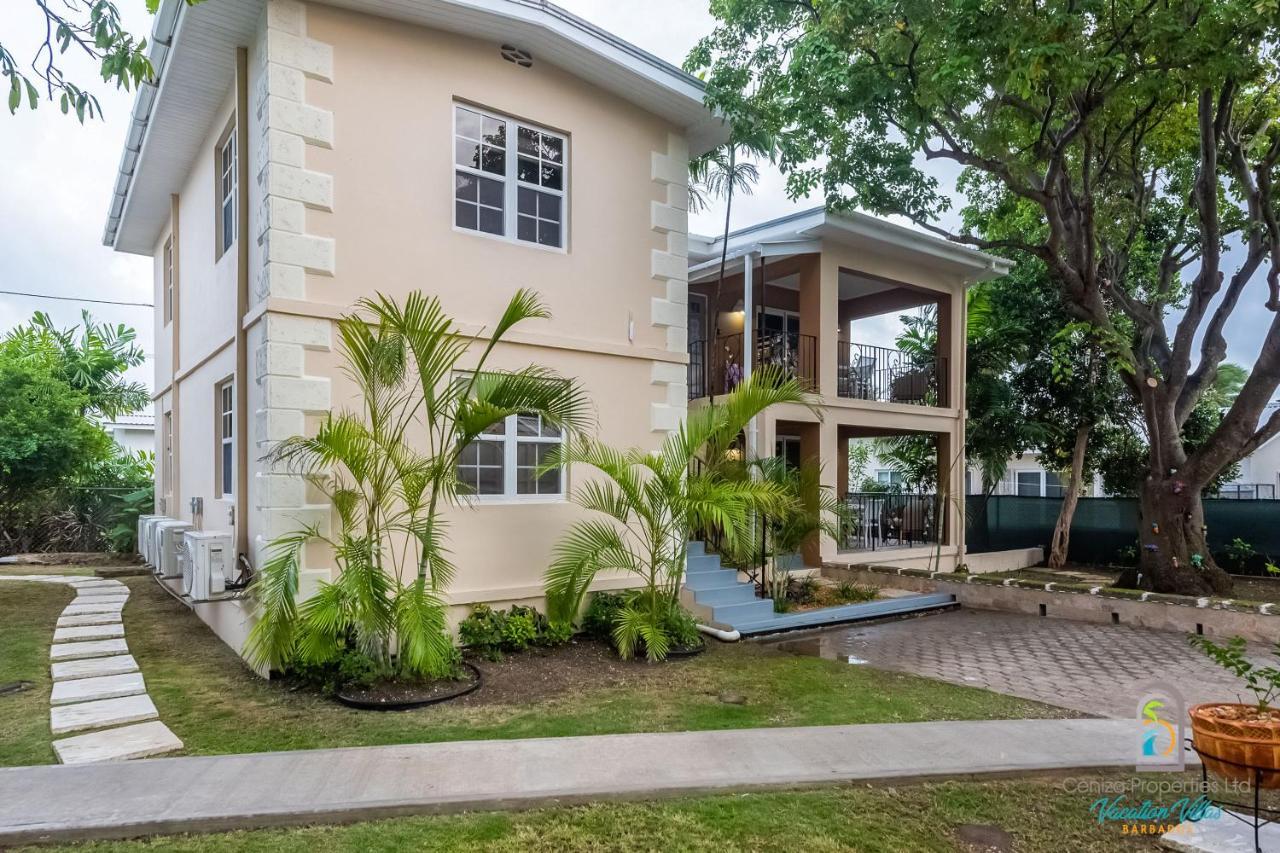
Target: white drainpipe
x=726 y=636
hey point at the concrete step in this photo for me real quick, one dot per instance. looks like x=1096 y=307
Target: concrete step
x=845 y=613
x=756 y=610
x=736 y=594
x=718 y=579
x=702 y=563
x=696 y=548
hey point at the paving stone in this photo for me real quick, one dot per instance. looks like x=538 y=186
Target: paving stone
x=111 y=598
x=88 y=649
x=96 y=583
x=1059 y=662
x=101 y=714
x=81 y=609
x=102 y=687
x=93 y=667
x=88 y=632
x=136 y=741
x=112 y=618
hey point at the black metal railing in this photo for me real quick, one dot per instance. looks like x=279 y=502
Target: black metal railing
x=873 y=520
x=717 y=368
x=1246 y=491
x=866 y=372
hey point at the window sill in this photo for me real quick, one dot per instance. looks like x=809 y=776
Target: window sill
x=520 y=500
x=510 y=241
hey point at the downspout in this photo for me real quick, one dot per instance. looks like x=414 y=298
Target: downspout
x=175 y=346
x=730 y=636
x=242 y=303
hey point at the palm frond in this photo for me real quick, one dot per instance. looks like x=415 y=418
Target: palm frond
x=270 y=643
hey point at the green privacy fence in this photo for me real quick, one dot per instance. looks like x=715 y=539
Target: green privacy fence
x=1104 y=529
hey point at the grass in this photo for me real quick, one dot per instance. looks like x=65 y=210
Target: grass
x=21 y=569
x=28 y=612
x=216 y=705
x=211 y=700
x=1039 y=814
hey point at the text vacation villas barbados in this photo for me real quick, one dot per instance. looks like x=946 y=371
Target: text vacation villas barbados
x=293 y=156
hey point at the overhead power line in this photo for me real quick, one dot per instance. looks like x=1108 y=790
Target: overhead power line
x=78 y=299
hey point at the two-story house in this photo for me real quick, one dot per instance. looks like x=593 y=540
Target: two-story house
x=294 y=156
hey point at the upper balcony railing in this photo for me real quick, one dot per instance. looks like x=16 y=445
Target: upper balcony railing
x=890 y=376
x=717 y=369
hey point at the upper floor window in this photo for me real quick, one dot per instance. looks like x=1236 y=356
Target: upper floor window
x=227 y=182
x=168 y=281
x=509 y=178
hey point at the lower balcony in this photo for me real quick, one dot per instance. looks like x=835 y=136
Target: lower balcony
x=876 y=521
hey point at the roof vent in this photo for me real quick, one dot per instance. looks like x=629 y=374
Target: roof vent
x=518 y=55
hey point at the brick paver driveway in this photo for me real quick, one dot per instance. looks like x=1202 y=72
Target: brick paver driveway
x=1095 y=668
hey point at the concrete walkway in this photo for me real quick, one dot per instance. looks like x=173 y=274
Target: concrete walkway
x=134 y=798
x=99 y=697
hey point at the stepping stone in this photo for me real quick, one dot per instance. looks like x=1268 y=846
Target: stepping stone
x=110 y=598
x=101 y=714
x=89 y=649
x=88 y=632
x=102 y=687
x=81 y=609
x=136 y=741
x=101 y=587
x=93 y=667
x=89 y=619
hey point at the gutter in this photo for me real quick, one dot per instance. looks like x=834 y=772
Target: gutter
x=163 y=32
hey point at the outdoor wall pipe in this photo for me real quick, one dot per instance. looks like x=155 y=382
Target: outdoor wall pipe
x=731 y=636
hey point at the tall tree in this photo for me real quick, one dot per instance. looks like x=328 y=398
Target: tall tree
x=1136 y=130
x=91 y=358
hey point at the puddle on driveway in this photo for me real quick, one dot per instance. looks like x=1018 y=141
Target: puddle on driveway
x=840 y=644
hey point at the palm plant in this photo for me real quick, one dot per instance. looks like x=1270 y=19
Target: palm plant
x=389 y=470
x=650 y=504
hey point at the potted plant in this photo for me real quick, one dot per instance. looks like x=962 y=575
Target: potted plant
x=1240 y=741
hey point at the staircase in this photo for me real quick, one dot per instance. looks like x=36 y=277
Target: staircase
x=717 y=594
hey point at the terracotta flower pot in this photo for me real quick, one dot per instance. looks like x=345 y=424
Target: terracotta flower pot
x=1233 y=744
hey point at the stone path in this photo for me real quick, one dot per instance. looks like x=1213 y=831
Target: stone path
x=221 y=792
x=99 y=697
x=1085 y=666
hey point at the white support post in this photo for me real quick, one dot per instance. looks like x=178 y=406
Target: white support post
x=749 y=338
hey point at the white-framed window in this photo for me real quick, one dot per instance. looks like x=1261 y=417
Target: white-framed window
x=168 y=281
x=226 y=438
x=1038 y=484
x=227 y=190
x=503 y=463
x=787 y=448
x=888 y=477
x=509 y=178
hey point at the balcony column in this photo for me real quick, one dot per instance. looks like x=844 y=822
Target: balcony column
x=749 y=342
x=820 y=315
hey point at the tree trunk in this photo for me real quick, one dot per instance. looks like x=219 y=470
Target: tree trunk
x=712 y=345
x=1174 y=553
x=1070 y=500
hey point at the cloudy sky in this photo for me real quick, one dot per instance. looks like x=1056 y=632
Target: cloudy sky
x=58 y=177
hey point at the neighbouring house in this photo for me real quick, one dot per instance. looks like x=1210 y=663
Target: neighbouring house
x=293 y=156
x=798 y=293
x=1259 y=477
x=133 y=433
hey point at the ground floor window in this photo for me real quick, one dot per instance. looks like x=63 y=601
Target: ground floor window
x=226 y=438
x=787 y=448
x=504 y=461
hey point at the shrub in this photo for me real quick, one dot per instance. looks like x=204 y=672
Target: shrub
x=601 y=615
x=850 y=592
x=1238 y=553
x=489 y=633
x=484 y=631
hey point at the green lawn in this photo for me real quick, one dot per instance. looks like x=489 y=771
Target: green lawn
x=216 y=705
x=928 y=817
x=28 y=612
x=207 y=696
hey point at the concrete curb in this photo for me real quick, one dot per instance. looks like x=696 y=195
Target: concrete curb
x=204 y=794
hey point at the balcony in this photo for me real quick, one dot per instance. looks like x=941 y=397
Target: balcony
x=885 y=375
x=717 y=369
